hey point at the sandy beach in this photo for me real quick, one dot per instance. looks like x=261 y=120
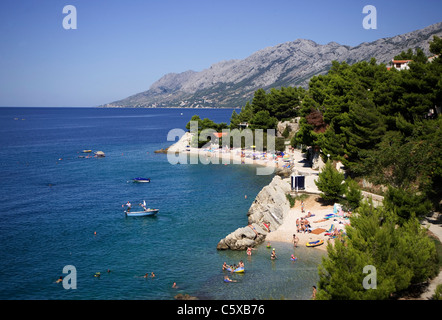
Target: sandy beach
x=285 y=232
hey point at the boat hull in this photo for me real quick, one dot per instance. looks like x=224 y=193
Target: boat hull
x=141 y=180
x=147 y=213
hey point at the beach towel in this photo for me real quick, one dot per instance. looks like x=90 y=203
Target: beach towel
x=318 y=231
x=332 y=227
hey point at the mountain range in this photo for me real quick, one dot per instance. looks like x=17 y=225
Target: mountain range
x=232 y=83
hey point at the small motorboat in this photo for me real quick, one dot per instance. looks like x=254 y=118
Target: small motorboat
x=141 y=180
x=87 y=151
x=145 y=213
x=100 y=154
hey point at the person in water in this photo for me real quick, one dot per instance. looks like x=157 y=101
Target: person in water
x=59 y=280
x=249 y=251
x=241 y=264
x=295 y=241
x=227 y=279
x=273 y=255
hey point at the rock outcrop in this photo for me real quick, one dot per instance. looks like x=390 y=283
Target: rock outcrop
x=266 y=214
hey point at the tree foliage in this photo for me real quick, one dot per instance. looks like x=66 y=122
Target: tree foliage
x=401 y=253
x=380 y=123
x=330 y=182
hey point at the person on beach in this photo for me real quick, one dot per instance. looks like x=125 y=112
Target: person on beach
x=314 y=293
x=295 y=241
x=298 y=225
x=302 y=206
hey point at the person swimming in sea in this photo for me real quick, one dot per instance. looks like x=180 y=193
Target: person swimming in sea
x=227 y=279
x=273 y=255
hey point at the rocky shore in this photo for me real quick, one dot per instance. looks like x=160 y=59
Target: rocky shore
x=266 y=214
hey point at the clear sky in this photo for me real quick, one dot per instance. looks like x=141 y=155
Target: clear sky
x=121 y=47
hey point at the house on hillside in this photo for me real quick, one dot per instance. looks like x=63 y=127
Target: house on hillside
x=401 y=64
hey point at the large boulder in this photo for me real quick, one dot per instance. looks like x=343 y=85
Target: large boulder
x=266 y=214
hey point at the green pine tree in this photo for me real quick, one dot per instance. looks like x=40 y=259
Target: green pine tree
x=330 y=182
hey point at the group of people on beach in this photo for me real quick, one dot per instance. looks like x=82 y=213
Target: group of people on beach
x=303 y=225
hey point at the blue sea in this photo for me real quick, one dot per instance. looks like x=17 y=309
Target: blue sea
x=58 y=208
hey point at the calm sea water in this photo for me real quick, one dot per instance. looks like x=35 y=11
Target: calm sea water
x=52 y=202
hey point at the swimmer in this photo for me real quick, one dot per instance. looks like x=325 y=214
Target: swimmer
x=293 y=258
x=249 y=251
x=241 y=264
x=225 y=266
x=152 y=275
x=273 y=255
x=59 y=280
x=227 y=279
x=174 y=286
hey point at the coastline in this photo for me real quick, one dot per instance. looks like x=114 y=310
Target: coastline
x=284 y=232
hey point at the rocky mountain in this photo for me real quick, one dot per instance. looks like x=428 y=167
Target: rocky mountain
x=232 y=83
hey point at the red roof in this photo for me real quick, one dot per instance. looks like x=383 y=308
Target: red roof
x=401 y=61
x=219 y=134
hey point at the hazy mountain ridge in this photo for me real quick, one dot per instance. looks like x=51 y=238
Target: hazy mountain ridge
x=231 y=83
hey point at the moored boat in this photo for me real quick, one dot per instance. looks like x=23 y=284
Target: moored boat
x=141 y=180
x=144 y=213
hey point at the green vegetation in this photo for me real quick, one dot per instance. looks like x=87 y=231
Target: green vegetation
x=263 y=112
x=402 y=254
x=379 y=123
x=331 y=183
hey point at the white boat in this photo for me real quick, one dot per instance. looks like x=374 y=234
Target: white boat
x=141 y=180
x=144 y=213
